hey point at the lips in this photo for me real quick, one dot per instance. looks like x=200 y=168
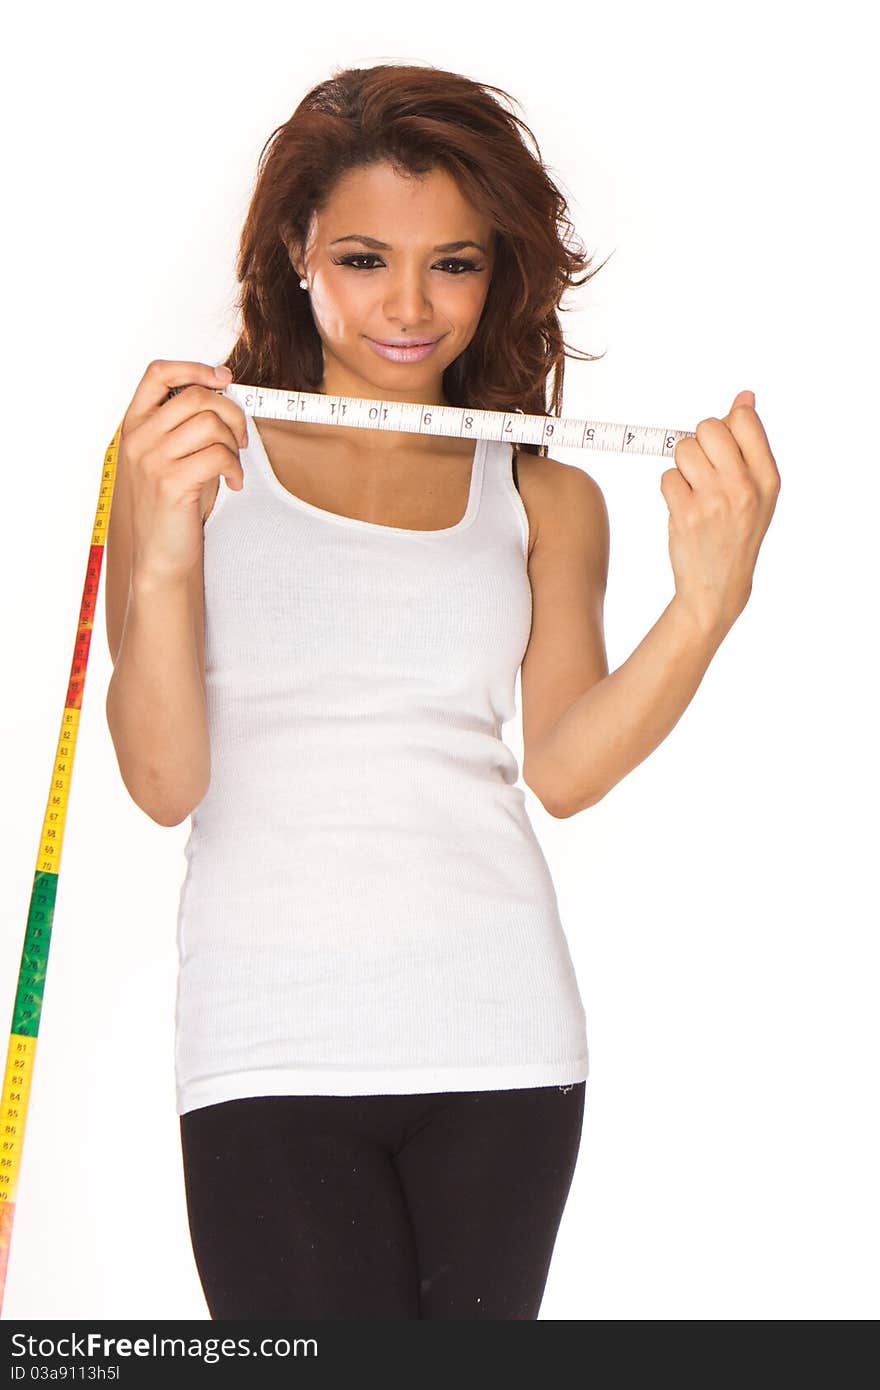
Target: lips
x=406 y=352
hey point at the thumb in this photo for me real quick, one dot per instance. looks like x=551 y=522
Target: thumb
x=744 y=398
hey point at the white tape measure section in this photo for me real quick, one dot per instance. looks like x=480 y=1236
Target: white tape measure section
x=513 y=427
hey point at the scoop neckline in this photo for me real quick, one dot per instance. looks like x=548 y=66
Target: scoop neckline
x=261 y=458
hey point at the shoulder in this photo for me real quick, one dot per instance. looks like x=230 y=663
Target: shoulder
x=562 y=501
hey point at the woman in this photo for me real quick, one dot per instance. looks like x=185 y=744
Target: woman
x=381 y=1048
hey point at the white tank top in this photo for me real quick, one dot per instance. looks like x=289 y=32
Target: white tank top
x=366 y=909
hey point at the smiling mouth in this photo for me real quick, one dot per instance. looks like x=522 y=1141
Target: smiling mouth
x=407 y=342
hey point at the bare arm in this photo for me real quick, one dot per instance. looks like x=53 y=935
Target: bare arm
x=156 y=701
x=586 y=728
x=613 y=726
x=156 y=706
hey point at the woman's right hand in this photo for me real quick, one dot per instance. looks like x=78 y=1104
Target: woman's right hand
x=171 y=449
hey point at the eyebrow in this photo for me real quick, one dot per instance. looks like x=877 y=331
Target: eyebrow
x=383 y=245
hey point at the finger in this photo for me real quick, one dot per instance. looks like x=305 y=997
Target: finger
x=192 y=437
x=676 y=491
x=201 y=464
x=192 y=401
x=693 y=465
x=751 y=437
x=723 y=453
x=161 y=376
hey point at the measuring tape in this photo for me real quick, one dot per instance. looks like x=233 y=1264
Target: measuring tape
x=313 y=408
x=452 y=421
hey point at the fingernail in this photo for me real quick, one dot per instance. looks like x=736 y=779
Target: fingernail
x=223 y=373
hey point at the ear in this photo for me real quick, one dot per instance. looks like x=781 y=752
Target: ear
x=294 y=251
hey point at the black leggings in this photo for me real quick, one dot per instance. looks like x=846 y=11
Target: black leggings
x=442 y=1205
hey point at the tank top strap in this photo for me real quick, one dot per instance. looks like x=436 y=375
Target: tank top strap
x=502 y=513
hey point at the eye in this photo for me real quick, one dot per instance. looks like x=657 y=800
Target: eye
x=462 y=265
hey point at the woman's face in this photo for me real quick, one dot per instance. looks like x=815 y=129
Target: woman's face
x=402 y=286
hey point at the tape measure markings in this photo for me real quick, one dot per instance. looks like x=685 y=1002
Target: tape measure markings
x=407 y=417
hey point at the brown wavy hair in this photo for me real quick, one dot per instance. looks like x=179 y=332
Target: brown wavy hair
x=416 y=118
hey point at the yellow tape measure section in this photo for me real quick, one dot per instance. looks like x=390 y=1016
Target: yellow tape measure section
x=16 y=1095
x=55 y=816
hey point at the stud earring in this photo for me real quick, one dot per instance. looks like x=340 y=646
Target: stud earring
x=303 y=284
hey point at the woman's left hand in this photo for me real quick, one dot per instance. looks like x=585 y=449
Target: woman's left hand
x=721 y=496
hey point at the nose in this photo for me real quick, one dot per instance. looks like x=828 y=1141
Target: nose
x=407 y=301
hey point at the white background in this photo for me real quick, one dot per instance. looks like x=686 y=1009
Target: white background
x=721 y=902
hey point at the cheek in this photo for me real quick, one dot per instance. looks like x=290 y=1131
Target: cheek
x=336 y=303
x=475 y=299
